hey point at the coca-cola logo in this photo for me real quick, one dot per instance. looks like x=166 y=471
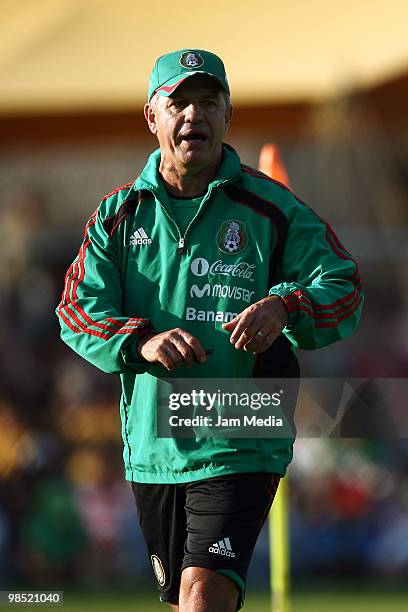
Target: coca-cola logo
x=242 y=269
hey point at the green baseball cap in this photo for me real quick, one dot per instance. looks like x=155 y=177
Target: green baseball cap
x=171 y=69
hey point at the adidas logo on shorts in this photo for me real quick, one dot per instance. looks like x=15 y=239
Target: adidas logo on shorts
x=222 y=547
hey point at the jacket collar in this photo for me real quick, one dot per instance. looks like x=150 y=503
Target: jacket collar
x=229 y=171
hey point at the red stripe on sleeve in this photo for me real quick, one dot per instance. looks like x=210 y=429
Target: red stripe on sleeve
x=70 y=300
x=121 y=188
x=78 y=330
x=307 y=307
x=348 y=314
x=294 y=297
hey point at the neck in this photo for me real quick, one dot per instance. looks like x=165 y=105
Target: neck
x=187 y=182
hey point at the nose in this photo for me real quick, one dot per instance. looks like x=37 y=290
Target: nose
x=193 y=112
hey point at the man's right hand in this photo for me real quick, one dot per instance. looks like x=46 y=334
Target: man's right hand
x=172 y=349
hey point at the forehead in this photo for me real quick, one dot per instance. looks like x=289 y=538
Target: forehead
x=198 y=84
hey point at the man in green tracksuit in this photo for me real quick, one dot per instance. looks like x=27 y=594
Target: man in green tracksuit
x=202 y=252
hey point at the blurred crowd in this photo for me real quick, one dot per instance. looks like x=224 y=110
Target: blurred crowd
x=66 y=513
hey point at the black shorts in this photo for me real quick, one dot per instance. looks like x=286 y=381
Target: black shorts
x=212 y=523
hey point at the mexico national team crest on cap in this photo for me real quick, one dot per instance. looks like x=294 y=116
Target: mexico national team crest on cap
x=191 y=59
x=232 y=237
x=172 y=69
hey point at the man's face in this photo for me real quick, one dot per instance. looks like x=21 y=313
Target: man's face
x=190 y=125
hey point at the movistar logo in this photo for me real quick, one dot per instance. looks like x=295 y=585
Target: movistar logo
x=195 y=291
x=222 y=291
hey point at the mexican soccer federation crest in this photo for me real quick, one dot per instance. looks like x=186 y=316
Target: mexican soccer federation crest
x=232 y=237
x=191 y=59
x=158 y=569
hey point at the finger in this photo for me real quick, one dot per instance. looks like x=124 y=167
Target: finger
x=170 y=357
x=244 y=322
x=165 y=360
x=185 y=350
x=268 y=341
x=257 y=340
x=192 y=348
x=247 y=335
x=231 y=324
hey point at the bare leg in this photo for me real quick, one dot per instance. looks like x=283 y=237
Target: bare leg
x=204 y=590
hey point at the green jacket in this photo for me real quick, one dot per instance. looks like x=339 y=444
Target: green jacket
x=251 y=237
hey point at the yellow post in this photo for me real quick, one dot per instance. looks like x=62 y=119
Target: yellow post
x=279 y=550
x=270 y=163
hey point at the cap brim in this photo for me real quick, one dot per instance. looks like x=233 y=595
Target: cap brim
x=168 y=88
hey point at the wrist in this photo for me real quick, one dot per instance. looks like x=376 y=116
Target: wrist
x=142 y=341
x=284 y=307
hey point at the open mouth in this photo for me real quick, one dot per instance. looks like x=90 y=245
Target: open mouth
x=194 y=137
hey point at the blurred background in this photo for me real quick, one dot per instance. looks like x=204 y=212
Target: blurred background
x=328 y=83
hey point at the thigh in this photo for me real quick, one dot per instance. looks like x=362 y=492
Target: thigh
x=224 y=517
x=161 y=511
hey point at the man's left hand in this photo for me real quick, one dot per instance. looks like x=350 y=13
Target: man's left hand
x=258 y=326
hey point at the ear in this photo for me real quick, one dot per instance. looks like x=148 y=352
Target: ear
x=150 y=117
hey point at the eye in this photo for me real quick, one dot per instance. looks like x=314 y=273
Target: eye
x=178 y=103
x=210 y=103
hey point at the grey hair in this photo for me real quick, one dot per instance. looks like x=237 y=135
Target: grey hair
x=153 y=102
x=227 y=99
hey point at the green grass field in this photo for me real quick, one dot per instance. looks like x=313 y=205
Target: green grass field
x=349 y=599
